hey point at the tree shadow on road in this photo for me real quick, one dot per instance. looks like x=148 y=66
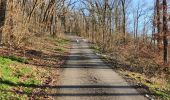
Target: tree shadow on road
x=76 y=87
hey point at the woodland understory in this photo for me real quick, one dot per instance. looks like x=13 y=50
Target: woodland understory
x=34 y=33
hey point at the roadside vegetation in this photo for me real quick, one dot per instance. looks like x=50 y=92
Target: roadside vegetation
x=32 y=48
x=132 y=35
x=141 y=71
x=137 y=47
x=29 y=73
x=17 y=78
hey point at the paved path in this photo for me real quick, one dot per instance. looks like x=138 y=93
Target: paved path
x=86 y=77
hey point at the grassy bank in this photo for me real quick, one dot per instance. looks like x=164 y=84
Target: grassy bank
x=30 y=72
x=16 y=78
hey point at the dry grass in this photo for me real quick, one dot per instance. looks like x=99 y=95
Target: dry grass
x=42 y=57
x=140 y=62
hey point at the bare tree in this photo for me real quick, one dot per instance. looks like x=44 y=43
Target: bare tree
x=137 y=14
x=158 y=15
x=2 y=16
x=165 y=32
x=123 y=3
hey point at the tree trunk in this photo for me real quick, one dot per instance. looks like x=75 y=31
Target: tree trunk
x=2 y=16
x=124 y=20
x=165 y=29
x=158 y=23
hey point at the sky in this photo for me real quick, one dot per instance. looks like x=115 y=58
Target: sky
x=148 y=4
x=147 y=10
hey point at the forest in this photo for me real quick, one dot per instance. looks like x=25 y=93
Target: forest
x=38 y=38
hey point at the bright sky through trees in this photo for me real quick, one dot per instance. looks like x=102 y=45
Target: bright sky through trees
x=147 y=10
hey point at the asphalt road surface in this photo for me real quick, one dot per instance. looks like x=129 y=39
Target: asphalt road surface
x=86 y=77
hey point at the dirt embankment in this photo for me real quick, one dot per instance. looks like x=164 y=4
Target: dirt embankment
x=30 y=72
